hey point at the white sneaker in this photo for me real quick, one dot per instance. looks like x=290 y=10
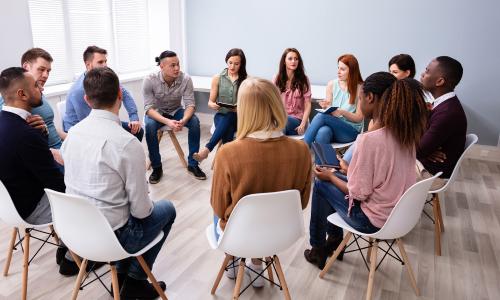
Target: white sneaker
x=232 y=270
x=259 y=282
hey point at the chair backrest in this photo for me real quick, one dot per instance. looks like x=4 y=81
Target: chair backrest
x=8 y=212
x=83 y=228
x=407 y=212
x=470 y=140
x=61 y=109
x=263 y=224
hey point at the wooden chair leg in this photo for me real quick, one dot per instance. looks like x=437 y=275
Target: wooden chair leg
x=281 y=277
x=369 y=252
x=408 y=266
x=339 y=249
x=151 y=277
x=440 y=213
x=79 y=279
x=270 y=271
x=373 y=266
x=54 y=234
x=221 y=272
x=10 y=251
x=239 y=279
x=437 y=229
x=76 y=258
x=178 y=148
x=25 y=263
x=114 y=280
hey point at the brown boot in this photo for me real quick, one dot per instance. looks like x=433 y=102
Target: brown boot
x=332 y=243
x=316 y=256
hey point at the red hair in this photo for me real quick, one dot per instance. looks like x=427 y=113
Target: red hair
x=353 y=77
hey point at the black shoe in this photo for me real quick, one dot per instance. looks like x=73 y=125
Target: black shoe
x=332 y=243
x=139 y=289
x=197 y=172
x=121 y=280
x=316 y=256
x=61 y=251
x=68 y=267
x=156 y=175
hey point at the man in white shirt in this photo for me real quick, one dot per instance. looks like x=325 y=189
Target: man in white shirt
x=107 y=165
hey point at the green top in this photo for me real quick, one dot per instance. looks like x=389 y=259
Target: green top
x=341 y=100
x=227 y=91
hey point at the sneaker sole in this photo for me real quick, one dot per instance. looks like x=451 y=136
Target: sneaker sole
x=196 y=177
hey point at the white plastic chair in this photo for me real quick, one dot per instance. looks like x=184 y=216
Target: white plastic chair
x=61 y=109
x=403 y=218
x=470 y=140
x=273 y=221
x=9 y=214
x=85 y=231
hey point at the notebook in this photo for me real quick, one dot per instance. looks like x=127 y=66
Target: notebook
x=326 y=111
x=226 y=105
x=326 y=155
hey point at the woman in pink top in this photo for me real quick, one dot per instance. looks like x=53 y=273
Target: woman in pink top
x=381 y=170
x=295 y=91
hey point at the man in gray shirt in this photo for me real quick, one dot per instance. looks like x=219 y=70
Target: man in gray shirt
x=163 y=92
x=106 y=164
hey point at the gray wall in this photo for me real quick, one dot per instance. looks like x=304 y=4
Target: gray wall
x=372 y=30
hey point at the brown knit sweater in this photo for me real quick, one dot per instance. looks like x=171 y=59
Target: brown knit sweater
x=250 y=166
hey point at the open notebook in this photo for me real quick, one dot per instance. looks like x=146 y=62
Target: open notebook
x=326 y=111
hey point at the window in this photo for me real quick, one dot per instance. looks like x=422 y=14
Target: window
x=66 y=27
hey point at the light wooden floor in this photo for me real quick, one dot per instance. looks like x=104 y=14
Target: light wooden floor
x=469 y=267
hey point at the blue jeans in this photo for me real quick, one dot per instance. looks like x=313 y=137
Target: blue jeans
x=326 y=129
x=225 y=127
x=326 y=200
x=137 y=233
x=152 y=127
x=291 y=124
x=139 y=133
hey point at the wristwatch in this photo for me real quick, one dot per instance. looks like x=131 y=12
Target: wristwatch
x=45 y=130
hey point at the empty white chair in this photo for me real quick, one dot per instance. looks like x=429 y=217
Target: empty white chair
x=61 y=109
x=87 y=233
x=272 y=221
x=9 y=214
x=402 y=219
x=470 y=140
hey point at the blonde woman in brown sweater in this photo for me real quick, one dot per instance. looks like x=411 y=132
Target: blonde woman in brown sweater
x=261 y=159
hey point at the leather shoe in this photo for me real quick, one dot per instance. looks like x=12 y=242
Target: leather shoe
x=316 y=256
x=156 y=175
x=332 y=243
x=139 y=289
x=61 y=251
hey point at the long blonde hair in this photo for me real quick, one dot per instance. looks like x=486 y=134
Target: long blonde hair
x=259 y=107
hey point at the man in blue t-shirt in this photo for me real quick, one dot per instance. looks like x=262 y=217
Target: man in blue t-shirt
x=77 y=108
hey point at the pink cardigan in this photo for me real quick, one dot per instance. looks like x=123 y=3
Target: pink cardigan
x=381 y=170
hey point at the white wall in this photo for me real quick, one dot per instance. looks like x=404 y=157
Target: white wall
x=374 y=31
x=15 y=32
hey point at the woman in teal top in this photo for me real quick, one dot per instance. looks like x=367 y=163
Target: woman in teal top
x=224 y=90
x=343 y=124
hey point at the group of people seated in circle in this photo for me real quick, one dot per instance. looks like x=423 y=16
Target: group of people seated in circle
x=415 y=129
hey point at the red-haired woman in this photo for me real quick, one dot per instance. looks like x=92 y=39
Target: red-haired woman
x=295 y=91
x=343 y=124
